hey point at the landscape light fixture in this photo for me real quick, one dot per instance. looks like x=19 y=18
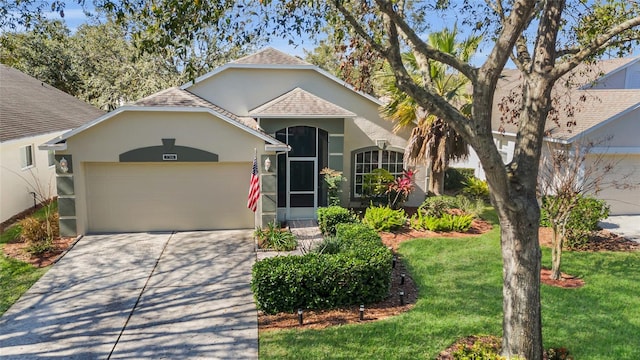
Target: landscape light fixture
x=300 y=316
x=361 y=312
x=401 y=293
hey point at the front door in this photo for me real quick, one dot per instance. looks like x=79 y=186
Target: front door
x=300 y=189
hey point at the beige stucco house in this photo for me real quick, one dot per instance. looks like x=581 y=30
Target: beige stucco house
x=604 y=100
x=181 y=159
x=31 y=113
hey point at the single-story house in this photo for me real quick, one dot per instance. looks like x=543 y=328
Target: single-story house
x=604 y=100
x=31 y=113
x=181 y=159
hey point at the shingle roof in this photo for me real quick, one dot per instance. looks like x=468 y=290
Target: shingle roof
x=270 y=56
x=297 y=103
x=176 y=97
x=29 y=107
x=590 y=107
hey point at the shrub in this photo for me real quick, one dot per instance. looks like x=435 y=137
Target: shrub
x=375 y=186
x=275 y=238
x=329 y=217
x=333 y=180
x=484 y=348
x=447 y=222
x=583 y=219
x=476 y=188
x=437 y=205
x=383 y=218
x=454 y=178
x=359 y=272
x=39 y=233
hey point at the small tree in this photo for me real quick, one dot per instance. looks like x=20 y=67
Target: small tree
x=334 y=180
x=567 y=175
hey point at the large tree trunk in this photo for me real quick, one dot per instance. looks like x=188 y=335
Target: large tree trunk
x=522 y=324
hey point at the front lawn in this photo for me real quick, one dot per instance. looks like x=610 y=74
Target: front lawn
x=460 y=282
x=16 y=276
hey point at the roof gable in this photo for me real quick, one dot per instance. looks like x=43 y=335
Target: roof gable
x=581 y=109
x=300 y=103
x=30 y=107
x=270 y=56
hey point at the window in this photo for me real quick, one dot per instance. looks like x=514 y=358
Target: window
x=374 y=158
x=26 y=156
x=51 y=157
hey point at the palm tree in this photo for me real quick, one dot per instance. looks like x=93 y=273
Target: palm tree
x=432 y=140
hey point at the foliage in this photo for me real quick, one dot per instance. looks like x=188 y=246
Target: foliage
x=454 y=178
x=380 y=187
x=39 y=233
x=384 y=218
x=582 y=220
x=476 y=188
x=360 y=273
x=375 y=186
x=333 y=179
x=446 y=222
x=275 y=238
x=399 y=189
x=330 y=217
x=349 y=237
x=432 y=141
x=486 y=348
x=438 y=205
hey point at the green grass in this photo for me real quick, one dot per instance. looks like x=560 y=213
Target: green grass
x=460 y=282
x=16 y=277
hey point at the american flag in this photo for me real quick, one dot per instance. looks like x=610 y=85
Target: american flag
x=254 y=187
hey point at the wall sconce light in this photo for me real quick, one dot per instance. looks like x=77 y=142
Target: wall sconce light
x=382 y=143
x=267 y=164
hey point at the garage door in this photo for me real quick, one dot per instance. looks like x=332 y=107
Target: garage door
x=160 y=197
x=626 y=170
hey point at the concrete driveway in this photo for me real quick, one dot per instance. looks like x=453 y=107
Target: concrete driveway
x=625 y=225
x=179 y=295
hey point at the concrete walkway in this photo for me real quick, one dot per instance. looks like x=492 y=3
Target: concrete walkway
x=307 y=233
x=140 y=296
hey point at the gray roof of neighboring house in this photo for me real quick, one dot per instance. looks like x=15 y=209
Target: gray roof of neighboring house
x=29 y=107
x=270 y=56
x=180 y=98
x=574 y=100
x=299 y=102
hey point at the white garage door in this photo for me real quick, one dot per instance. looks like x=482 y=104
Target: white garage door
x=626 y=170
x=160 y=197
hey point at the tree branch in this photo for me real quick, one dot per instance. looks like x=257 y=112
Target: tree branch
x=599 y=43
x=414 y=40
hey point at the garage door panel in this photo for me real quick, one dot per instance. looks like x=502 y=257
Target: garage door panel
x=157 y=197
x=626 y=171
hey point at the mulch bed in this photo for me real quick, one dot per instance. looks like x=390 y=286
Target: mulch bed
x=16 y=250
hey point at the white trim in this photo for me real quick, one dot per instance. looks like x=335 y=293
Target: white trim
x=23 y=157
x=336 y=154
x=336 y=135
x=306 y=116
x=55 y=143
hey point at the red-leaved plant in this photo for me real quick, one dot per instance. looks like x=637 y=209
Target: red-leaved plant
x=400 y=188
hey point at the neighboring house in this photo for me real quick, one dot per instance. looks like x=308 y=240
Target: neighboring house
x=181 y=159
x=31 y=113
x=606 y=106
